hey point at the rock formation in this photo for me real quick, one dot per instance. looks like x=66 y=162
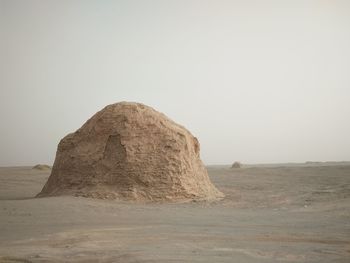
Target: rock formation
x=41 y=167
x=236 y=165
x=129 y=151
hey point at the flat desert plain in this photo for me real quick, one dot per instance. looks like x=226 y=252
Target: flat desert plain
x=271 y=213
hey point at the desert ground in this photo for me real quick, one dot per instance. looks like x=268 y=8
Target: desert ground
x=271 y=213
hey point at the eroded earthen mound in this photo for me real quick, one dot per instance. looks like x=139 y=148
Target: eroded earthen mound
x=236 y=165
x=41 y=167
x=129 y=151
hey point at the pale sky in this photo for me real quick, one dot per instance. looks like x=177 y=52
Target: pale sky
x=255 y=81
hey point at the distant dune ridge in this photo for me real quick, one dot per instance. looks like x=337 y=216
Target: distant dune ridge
x=129 y=151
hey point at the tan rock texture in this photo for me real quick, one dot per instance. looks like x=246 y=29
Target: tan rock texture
x=129 y=151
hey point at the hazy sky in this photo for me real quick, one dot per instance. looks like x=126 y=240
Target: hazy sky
x=255 y=81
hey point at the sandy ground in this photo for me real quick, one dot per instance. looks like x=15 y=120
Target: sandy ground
x=299 y=213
